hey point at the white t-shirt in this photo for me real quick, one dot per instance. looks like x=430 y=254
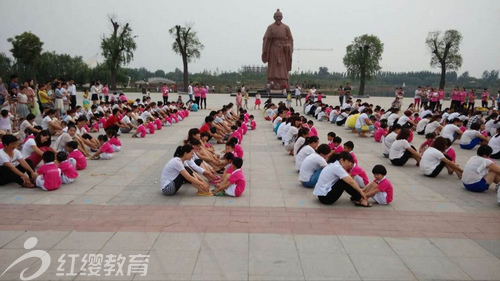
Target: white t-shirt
x=302 y=154
x=298 y=143
x=328 y=177
x=391 y=119
x=171 y=170
x=398 y=148
x=488 y=125
x=453 y=116
x=430 y=160
x=27 y=148
x=421 y=124
x=403 y=120
x=431 y=127
x=308 y=108
x=475 y=169
x=310 y=165
x=342 y=116
x=494 y=143
x=284 y=133
x=425 y=112
x=318 y=110
x=4 y=157
x=387 y=142
x=321 y=115
x=445 y=116
x=448 y=131
x=494 y=127
x=25 y=124
x=279 y=132
x=468 y=136
x=385 y=115
x=332 y=115
x=360 y=122
x=276 y=121
x=45 y=122
x=126 y=119
x=291 y=132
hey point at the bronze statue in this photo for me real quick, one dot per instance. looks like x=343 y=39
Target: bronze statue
x=277 y=53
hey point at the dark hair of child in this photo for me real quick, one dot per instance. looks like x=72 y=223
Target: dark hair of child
x=61 y=156
x=379 y=170
x=237 y=162
x=48 y=156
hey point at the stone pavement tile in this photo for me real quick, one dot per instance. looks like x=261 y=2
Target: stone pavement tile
x=93 y=199
x=381 y=267
x=7 y=236
x=274 y=263
x=480 y=268
x=236 y=242
x=7 y=257
x=23 y=198
x=366 y=245
x=131 y=241
x=63 y=264
x=414 y=247
x=242 y=201
x=227 y=276
x=319 y=244
x=46 y=239
x=84 y=240
x=215 y=262
x=172 y=262
x=434 y=268
x=164 y=276
x=461 y=248
x=267 y=198
x=272 y=243
x=56 y=199
x=275 y=278
x=327 y=266
x=492 y=246
x=178 y=242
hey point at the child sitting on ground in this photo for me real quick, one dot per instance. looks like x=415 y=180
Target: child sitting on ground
x=49 y=174
x=380 y=189
x=330 y=137
x=349 y=147
x=312 y=130
x=105 y=152
x=429 y=139
x=76 y=157
x=116 y=144
x=68 y=171
x=232 y=184
x=253 y=124
x=381 y=132
x=140 y=132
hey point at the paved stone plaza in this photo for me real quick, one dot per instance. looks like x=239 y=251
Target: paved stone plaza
x=277 y=230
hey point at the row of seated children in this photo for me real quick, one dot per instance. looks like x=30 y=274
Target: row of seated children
x=311 y=158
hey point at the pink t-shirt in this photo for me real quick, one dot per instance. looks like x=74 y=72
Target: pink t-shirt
x=441 y=95
x=451 y=152
x=115 y=141
x=150 y=128
x=158 y=124
x=51 y=176
x=379 y=134
x=141 y=130
x=462 y=96
x=484 y=96
x=106 y=148
x=239 y=98
x=204 y=93
x=339 y=149
x=244 y=128
x=238 y=150
x=313 y=132
x=165 y=91
x=236 y=134
x=238 y=178
x=253 y=125
x=354 y=157
x=472 y=97
x=358 y=171
x=197 y=92
x=81 y=162
x=68 y=170
x=385 y=186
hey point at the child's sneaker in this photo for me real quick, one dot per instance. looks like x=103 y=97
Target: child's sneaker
x=220 y=193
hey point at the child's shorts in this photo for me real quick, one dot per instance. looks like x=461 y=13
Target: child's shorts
x=66 y=180
x=479 y=186
x=106 y=156
x=231 y=190
x=381 y=197
x=116 y=148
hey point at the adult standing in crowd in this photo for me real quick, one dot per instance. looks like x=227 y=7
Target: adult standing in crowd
x=72 y=93
x=347 y=92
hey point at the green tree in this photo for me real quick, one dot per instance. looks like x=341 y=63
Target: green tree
x=159 y=73
x=362 y=59
x=27 y=50
x=445 y=52
x=187 y=45
x=5 y=66
x=118 y=49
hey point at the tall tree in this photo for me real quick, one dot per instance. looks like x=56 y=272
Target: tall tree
x=27 y=50
x=118 y=49
x=445 y=51
x=187 y=45
x=362 y=59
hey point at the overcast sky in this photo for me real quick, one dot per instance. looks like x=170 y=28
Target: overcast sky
x=232 y=31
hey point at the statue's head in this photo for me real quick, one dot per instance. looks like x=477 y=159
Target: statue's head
x=278 y=16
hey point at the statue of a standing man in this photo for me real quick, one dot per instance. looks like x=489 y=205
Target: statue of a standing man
x=277 y=52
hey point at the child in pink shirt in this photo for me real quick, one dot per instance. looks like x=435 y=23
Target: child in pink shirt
x=450 y=151
x=312 y=131
x=94 y=128
x=105 y=151
x=116 y=144
x=429 y=139
x=380 y=189
x=140 y=131
x=68 y=171
x=157 y=123
x=76 y=157
x=253 y=124
x=236 y=148
x=232 y=184
x=337 y=145
x=382 y=131
x=49 y=174
x=349 y=147
x=236 y=133
x=330 y=136
x=359 y=176
x=150 y=126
